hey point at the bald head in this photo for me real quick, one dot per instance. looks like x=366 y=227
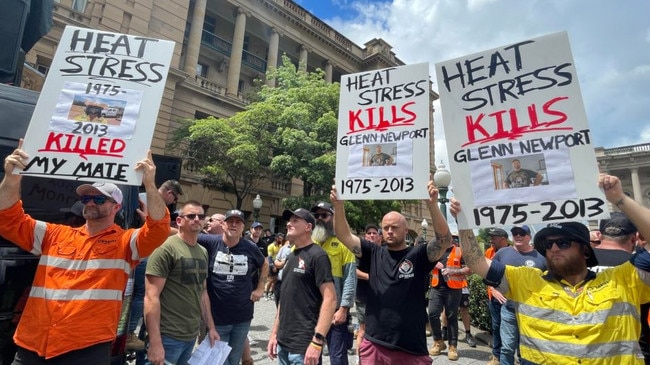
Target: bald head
x=394 y=230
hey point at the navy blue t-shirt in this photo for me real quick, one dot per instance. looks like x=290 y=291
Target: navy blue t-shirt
x=229 y=278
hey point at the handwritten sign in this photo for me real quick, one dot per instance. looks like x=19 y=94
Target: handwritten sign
x=96 y=115
x=517 y=135
x=383 y=135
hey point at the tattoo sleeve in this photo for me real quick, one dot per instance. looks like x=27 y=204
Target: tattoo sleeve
x=436 y=247
x=472 y=253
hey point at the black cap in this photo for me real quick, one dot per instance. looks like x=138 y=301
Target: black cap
x=573 y=230
x=300 y=213
x=235 y=213
x=322 y=205
x=371 y=226
x=617 y=225
x=497 y=232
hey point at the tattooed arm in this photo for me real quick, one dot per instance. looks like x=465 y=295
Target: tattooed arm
x=436 y=247
x=472 y=252
x=341 y=228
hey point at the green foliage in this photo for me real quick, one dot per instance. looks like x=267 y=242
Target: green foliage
x=483 y=238
x=478 y=307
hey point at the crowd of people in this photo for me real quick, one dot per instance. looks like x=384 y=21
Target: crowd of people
x=560 y=295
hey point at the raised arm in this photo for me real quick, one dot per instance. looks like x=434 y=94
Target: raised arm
x=472 y=252
x=341 y=228
x=10 y=186
x=638 y=214
x=156 y=208
x=436 y=247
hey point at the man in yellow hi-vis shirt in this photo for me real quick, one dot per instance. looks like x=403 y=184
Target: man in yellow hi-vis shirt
x=570 y=314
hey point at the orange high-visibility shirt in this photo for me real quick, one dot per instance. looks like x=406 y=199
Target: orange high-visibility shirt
x=76 y=296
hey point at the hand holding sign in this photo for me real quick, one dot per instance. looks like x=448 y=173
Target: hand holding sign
x=148 y=169
x=17 y=159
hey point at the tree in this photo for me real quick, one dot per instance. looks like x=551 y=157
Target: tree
x=303 y=127
x=225 y=153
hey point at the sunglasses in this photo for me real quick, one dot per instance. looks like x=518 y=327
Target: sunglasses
x=562 y=243
x=321 y=215
x=98 y=199
x=519 y=233
x=193 y=216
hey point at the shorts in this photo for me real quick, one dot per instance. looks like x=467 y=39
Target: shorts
x=371 y=353
x=361 y=311
x=464 y=301
x=273 y=271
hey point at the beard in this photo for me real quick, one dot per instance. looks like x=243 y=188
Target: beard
x=323 y=231
x=93 y=212
x=573 y=265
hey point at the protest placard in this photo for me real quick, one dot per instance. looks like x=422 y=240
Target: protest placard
x=96 y=114
x=517 y=135
x=383 y=134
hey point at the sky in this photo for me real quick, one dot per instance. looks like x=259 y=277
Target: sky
x=610 y=42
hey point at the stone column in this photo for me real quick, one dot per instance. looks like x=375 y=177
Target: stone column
x=636 y=185
x=328 y=71
x=194 y=41
x=234 y=67
x=272 y=58
x=302 y=62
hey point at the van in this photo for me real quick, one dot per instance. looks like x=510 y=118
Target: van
x=112 y=113
x=46 y=200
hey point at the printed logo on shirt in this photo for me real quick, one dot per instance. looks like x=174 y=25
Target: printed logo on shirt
x=193 y=271
x=406 y=270
x=106 y=241
x=529 y=263
x=301 y=266
x=230 y=265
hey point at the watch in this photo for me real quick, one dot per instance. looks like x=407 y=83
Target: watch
x=319 y=337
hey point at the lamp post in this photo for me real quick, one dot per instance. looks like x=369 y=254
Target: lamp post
x=442 y=179
x=424 y=226
x=257 y=205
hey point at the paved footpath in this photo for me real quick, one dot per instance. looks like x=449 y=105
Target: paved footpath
x=265 y=315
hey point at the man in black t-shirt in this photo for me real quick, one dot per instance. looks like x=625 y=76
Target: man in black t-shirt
x=521 y=178
x=308 y=299
x=395 y=311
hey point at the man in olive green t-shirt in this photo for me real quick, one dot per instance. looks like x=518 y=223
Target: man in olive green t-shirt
x=175 y=289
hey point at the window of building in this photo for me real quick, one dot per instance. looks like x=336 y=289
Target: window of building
x=79 y=5
x=202 y=70
x=200 y=115
x=209 y=23
x=43 y=69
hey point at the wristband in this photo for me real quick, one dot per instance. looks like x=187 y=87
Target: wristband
x=316 y=345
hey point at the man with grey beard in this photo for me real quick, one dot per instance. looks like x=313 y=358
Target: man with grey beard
x=339 y=338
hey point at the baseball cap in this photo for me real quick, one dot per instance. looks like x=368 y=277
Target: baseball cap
x=323 y=205
x=235 y=213
x=256 y=224
x=617 y=225
x=497 y=232
x=371 y=226
x=575 y=231
x=518 y=229
x=300 y=213
x=107 y=189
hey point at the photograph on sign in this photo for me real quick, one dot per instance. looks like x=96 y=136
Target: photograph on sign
x=517 y=135
x=384 y=127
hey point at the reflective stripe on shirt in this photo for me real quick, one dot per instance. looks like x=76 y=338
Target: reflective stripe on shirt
x=39 y=233
x=68 y=294
x=96 y=264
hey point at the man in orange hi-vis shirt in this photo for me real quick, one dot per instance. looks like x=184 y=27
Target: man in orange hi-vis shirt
x=74 y=305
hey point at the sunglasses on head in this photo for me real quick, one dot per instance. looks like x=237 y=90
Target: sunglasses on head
x=98 y=199
x=193 y=216
x=562 y=243
x=321 y=215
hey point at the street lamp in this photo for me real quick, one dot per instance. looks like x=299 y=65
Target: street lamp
x=257 y=205
x=424 y=226
x=442 y=179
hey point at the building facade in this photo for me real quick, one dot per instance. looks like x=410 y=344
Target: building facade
x=222 y=46
x=631 y=164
